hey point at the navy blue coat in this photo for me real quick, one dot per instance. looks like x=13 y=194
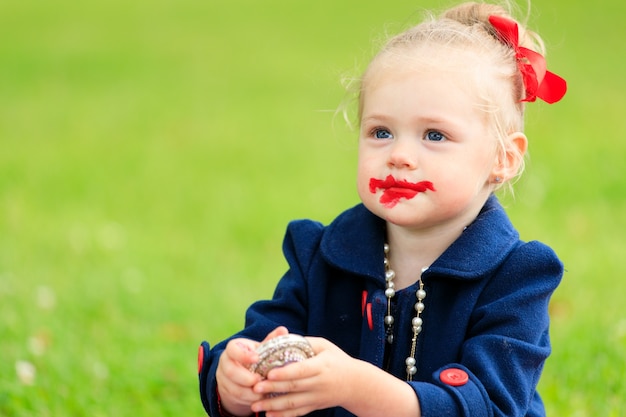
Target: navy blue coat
x=486 y=312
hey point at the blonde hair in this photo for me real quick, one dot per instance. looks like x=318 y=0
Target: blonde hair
x=466 y=31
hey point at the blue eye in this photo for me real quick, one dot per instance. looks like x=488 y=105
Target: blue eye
x=382 y=134
x=435 y=136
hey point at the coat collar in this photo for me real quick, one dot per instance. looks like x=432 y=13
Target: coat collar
x=353 y=242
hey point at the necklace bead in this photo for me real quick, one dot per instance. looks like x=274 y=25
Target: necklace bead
x=416 y=322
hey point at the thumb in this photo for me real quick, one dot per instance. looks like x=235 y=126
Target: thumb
x=243 y=351
x=279 y=331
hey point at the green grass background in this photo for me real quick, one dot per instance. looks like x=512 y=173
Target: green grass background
x=152 y=152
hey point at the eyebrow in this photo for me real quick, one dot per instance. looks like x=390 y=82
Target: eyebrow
x=422 y=119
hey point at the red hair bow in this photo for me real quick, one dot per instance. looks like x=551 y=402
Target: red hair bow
x=539 y=82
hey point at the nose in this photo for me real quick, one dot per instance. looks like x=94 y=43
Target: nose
x=403 y=154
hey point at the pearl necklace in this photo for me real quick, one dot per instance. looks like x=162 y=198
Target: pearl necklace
x=416 y=323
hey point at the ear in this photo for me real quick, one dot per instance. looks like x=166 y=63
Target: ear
x=511 y=158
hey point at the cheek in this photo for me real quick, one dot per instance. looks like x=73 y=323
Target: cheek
x=362 y=183
x=458 y=180
x=363 y=177
x=474 y=179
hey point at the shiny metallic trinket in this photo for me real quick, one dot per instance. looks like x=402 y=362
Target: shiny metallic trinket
x=281 y=351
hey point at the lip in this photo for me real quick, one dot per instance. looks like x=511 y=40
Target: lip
x=394 y=190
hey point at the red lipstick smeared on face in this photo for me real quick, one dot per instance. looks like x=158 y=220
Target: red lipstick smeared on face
x=394 y=190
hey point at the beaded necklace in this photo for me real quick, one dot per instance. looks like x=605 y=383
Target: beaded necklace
x=416 y=323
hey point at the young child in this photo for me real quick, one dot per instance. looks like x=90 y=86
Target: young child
x=422 y=300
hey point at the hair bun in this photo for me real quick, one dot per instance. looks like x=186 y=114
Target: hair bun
x=472 y=13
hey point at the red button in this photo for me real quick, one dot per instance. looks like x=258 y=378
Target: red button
x=200 y=358
x=454 y=377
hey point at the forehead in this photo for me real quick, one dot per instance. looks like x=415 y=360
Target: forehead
x=469 y=69
x=413 y=98
x=457 y=64
x=428 y=85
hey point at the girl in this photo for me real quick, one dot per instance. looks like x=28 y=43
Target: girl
x=422 y=300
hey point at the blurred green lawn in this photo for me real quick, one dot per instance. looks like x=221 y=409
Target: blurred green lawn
x=152 y=153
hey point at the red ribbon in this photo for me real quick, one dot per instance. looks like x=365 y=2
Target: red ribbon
x=538 y=81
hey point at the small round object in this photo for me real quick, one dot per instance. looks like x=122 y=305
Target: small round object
x=390 y=275
x=417 y=322
x=390 y=292
x=421 y=294
x=411 y=370
x=454 y=377
x=410 y=361
x=281 y=351
x=388 y=320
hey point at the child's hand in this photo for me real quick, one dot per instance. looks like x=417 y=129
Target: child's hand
x=234 y=379
x=316 y=383
x=334 y=379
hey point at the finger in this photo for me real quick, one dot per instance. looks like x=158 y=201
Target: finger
x=234 y=393
x=293 y=371
x=267 y=387
x=235 y=397
x=318 y=344
x=296 y=404
x=279 y=331
x=232 y=372
x=242 y=351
